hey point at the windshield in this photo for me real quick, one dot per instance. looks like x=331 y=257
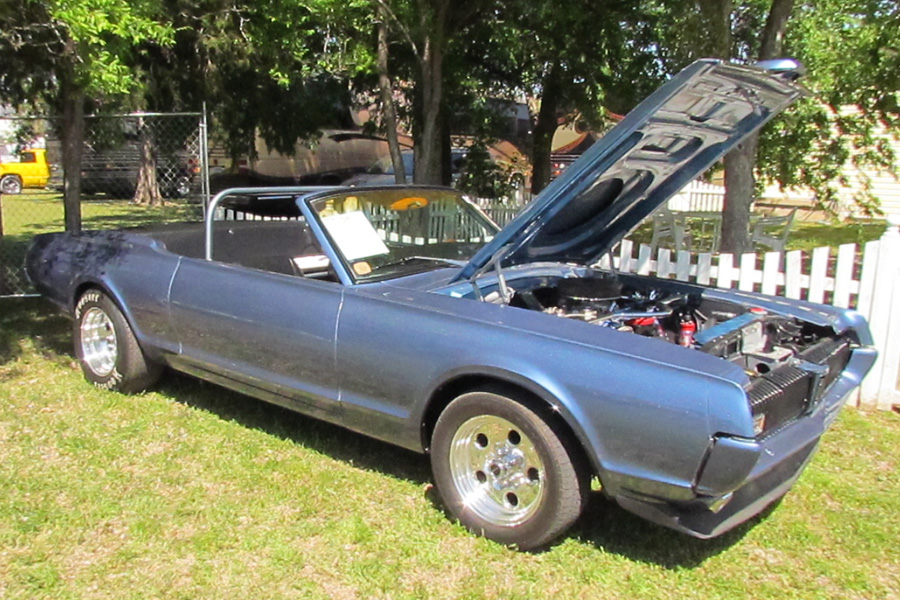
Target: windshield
x=387 y=233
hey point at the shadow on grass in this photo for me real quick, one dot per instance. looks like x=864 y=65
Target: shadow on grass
x=604 y=524
x=611 y=528
x=334 y=441
x=102 y=222
x=32 y=318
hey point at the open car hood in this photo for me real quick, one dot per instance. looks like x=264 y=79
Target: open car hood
x=669 y=139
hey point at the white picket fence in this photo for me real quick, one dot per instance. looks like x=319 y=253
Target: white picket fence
x=698 y=196
x=867 y=280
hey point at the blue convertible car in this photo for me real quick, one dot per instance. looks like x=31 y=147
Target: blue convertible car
x=508 y=356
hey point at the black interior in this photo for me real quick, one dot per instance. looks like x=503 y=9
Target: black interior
x=265 y=245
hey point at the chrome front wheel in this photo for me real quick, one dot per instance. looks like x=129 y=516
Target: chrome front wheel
x=507 y=469
x=497 y=470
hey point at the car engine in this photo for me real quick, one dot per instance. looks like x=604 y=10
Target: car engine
x=750 y=336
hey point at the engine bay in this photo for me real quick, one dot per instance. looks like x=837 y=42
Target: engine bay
x=749 y=336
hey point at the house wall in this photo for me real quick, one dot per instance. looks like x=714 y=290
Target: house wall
x=885 y=185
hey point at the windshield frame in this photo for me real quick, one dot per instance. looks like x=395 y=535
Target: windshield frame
x=401 y=258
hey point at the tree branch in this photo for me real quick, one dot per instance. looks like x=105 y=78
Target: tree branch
x=404 y=31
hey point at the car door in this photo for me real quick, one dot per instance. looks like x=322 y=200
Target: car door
x=30 y=170
x=268 y=332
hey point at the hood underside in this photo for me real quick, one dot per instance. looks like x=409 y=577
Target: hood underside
x=673 y=136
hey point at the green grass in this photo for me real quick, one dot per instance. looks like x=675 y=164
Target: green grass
x=25 y=215
x=806 y=236
x=195 y=492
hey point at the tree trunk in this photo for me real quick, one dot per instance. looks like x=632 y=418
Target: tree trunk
x=433 y=23
x=740 y=163
x=446 y=150
x=72 y=150
x=387 y=99
x=147 y=189
x=542 y=140
x=739 y=191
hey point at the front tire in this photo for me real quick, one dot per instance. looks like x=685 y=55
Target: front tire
x=506 y=473
x=107 y=349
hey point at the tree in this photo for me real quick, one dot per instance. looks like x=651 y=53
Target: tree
x=386 y=91
x=248 y=60
x=59 y=52
x=429 y=29
x=740 y=163
x=579 y=60
x=851 y=50
x=742 y=32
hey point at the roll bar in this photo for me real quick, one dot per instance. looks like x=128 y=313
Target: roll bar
x=209 y=220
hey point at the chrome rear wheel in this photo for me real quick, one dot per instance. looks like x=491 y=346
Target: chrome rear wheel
x=10 y=184
x=98 y=342
x=106 y=347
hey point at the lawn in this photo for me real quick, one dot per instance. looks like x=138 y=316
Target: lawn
x=194 y=492
x=804 y=235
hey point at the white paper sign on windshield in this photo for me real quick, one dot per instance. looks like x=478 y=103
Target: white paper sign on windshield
x=354 y=235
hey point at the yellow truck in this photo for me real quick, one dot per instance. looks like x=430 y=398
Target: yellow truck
x=31 y=170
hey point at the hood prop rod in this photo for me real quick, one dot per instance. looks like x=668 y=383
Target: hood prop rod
x=506 y=293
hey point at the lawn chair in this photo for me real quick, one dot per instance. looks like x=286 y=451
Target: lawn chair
x=772 y=231
x=667 y=225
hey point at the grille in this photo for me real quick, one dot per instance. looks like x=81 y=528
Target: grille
x=833 y=352
x=790 y=391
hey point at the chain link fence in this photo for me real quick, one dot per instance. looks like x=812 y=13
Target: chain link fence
x=137 y=169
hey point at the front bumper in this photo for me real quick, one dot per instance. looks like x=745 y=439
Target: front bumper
x=771 y=464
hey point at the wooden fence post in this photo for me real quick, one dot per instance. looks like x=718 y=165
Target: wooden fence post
x=879 y=389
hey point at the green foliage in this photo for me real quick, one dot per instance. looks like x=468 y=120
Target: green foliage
x=286 y=69
x=277 y=69
x=88 y=42
x=851 y=50
x=103 y=33
x=607 y=51
x=482 y=177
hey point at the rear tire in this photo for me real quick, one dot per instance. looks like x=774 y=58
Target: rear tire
x=505 y=472
x=11 y=184
x=107 y=349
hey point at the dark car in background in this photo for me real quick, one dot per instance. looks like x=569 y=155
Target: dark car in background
x=114 y=171
x=382 y=172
